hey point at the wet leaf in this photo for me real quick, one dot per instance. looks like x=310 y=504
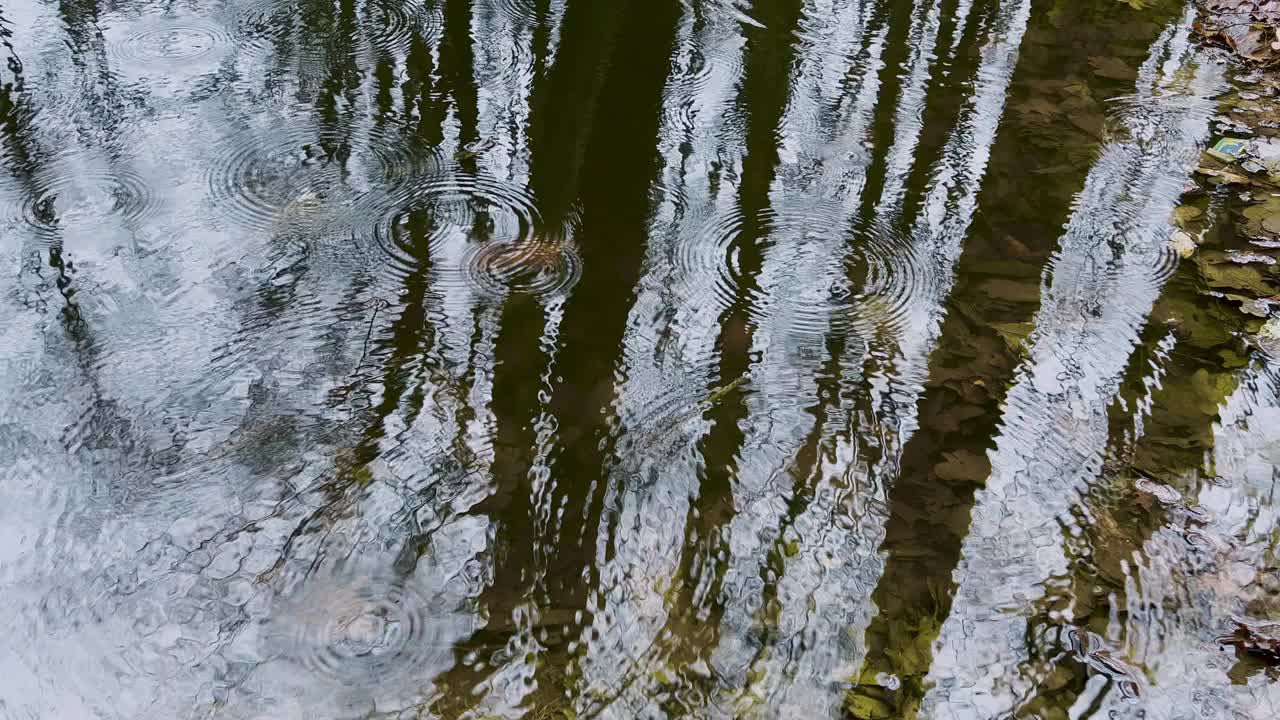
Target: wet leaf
x=1220 y=272
x=1184 y=214
x=1268 y=208
x=1226 y=177
x=963 y=466
x=1112 y=68
x=1014 y=334
x=1260 y=639
x=1183 y=244
x=1251 y=306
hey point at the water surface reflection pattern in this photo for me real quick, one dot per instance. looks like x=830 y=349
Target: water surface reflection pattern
x=560 y=358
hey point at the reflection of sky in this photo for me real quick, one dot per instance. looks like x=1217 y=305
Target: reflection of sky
x=220 y=369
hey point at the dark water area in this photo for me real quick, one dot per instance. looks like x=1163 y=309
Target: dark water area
x=604 y=358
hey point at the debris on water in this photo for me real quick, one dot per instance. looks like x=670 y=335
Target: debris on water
x=1226 y=177
x=1091 y=650
x=375 y=303
x=475 y=149
x=1228 y=149
x=1222 y=271
x=1259 y=639
x=719 y=393
x=1266 y=150
x=1257 y=307
x=1243 y=258
x=1162 y=493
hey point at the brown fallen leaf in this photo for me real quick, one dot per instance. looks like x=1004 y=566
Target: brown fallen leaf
x=1260 y=639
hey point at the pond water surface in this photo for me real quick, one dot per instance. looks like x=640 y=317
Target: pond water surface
x=621 y=359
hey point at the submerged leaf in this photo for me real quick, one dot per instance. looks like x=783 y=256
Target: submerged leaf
x=1014 y=334
x=1183 y=244
x=1261 y=640
x=1221 y=272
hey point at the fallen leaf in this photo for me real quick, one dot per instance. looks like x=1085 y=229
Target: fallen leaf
x=1183 y=244
x=1259 y=639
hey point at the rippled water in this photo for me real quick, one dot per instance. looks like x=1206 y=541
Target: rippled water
x=567 y=358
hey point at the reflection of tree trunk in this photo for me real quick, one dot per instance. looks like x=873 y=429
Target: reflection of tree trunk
x=568 y=141
x=1176 y=440
x=931 y=498
x=565 y=104
x=619 y=165
x=991 y=310
x=770 y=54
x=457 y=66
x=882 y=132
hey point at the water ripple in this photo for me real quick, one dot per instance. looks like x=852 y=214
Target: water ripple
x=482 y=232
x=57 y=204
x=357 y=630
x=694 y=70
x=167 y=41
x=872 y=288
x=382 y=27
x=264 y=182
x=539 y=266
x=520 y=13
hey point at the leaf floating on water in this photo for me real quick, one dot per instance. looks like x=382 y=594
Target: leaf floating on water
x=1221 y=272
x=475 y=149
x=1257 y=307
x=1251 y=258
x=1246 y=27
